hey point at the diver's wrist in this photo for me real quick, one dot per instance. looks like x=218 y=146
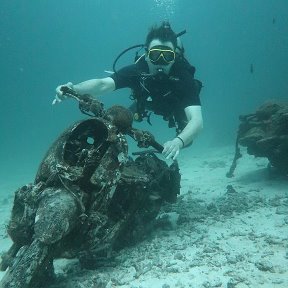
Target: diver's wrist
x=181 y=141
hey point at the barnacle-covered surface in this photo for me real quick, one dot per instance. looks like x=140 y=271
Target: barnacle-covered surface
x=88 y=199
x=265 y=134
x=121 y=117
x=79 y=150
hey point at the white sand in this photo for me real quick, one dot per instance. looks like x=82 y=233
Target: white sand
x=236 y=239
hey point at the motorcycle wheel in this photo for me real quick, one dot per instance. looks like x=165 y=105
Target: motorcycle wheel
x=33 y=266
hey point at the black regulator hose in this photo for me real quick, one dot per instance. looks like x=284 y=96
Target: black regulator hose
x=123 y=52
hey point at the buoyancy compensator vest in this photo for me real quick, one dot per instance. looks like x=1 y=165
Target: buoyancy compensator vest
x=141 y=108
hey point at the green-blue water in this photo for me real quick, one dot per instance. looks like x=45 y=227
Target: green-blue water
x=47 y=43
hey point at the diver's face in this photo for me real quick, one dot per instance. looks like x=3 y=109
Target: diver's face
x=160 y=56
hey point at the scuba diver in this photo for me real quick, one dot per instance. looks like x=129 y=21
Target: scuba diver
x=162 y=81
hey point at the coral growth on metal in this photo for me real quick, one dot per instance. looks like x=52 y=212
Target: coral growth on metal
x=265 y=134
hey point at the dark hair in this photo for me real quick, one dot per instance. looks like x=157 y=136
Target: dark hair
x=164 y=33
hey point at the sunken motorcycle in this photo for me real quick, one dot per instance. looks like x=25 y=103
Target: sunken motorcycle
x=88 y=197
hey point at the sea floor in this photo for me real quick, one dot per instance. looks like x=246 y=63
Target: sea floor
x=222 y=232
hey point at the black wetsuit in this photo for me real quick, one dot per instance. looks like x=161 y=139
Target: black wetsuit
x=164 y=95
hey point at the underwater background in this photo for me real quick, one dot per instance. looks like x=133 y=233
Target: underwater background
x=239 y=49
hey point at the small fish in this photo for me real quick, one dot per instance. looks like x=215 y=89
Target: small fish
x=273 y=20
x=251 y=68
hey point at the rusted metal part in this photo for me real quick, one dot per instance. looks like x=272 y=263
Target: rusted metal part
x=145 y=139
x=87 y=197
x=23 y=274
x=265 y=134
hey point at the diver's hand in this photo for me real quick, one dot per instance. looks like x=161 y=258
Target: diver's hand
x=59 y=97
x=172 y=148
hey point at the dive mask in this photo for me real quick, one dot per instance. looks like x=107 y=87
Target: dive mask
x=161 y=55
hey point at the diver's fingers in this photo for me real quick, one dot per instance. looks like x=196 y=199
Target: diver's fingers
x=59 y=93
x=56 y=100
x=173 y=154
x=169 y=150
x=176 y=155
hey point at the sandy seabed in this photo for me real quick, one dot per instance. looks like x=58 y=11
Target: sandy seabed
x=222 y=232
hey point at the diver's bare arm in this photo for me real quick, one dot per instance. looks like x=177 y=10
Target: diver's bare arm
x=194 y=125
x=95 y=87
